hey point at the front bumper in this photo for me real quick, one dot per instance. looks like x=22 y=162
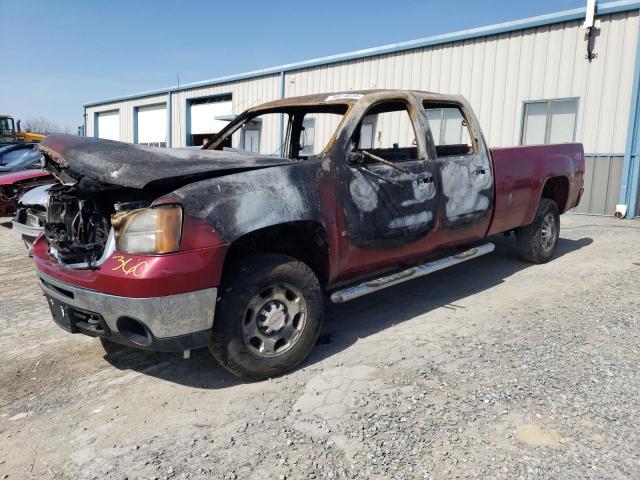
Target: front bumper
x=167 y=323
x=26 y=230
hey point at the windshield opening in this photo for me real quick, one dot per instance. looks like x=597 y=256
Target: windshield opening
x=290 y=132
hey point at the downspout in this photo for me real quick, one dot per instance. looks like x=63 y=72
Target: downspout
x=84 y=132
x=282 y=115
x=631 y=166
x=169 y=121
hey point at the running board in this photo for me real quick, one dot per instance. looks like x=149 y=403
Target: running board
x=362 y=289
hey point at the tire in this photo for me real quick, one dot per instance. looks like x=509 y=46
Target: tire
x=537 y=241
x=269 y=317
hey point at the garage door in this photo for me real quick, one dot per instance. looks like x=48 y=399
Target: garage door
x=152 y=125
x=203 y=118
x=109 y=125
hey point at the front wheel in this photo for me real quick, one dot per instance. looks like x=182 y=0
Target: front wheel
x=268 y=318
x=537 y=241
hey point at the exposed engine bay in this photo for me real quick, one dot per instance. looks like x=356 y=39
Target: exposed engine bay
x=79 y=218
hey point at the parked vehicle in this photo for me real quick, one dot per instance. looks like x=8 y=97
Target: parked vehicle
x=145 y=246
x=28 y=160
x=31 y=214
x=14 y=185
x=10 y=134
x=14 y=151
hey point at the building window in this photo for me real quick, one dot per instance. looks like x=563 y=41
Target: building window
x=308 y=135
x=367 y=132
x=549 y=121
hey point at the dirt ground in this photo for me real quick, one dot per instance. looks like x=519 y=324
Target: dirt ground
x=491 y=369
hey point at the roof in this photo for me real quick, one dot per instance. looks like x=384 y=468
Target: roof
x=347 y=97
x=531 y=22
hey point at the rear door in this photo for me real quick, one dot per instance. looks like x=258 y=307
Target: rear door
x=464 y=168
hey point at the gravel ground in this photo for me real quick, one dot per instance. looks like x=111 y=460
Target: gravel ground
x=491 y=369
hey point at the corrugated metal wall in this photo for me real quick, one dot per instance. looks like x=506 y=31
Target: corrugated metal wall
x=496 y=73
x=601 y=185
x=126 y=114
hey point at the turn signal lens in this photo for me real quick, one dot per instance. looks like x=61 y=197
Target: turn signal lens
x=153 y=230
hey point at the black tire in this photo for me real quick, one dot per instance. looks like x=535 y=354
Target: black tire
x=537 y=241
x=260 y=278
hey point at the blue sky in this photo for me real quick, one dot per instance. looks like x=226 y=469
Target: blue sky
x=58 y=55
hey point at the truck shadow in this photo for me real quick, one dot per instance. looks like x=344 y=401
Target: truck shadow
x=347 y=323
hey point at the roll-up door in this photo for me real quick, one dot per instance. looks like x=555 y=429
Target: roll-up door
x=152 y=125
x=204 y=116
x=109 y=125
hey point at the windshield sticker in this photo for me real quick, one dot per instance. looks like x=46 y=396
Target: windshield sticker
x=344 y=96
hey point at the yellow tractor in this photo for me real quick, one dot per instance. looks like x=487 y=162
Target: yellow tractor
x=8 y=133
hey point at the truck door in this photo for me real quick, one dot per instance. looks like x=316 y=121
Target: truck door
x=465 y=171
x=389 y=190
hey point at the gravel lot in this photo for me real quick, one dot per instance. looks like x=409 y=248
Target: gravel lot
x=491 y=369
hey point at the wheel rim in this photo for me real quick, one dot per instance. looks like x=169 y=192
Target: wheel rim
x=274 y=320
x=548 y=232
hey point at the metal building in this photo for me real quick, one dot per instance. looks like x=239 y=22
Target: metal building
x=551 y=78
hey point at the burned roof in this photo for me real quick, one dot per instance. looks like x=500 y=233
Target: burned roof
x=348 y=97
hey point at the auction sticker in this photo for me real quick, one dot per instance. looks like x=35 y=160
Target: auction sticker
x=344 y=96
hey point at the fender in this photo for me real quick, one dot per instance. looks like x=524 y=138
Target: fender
x=237 y=204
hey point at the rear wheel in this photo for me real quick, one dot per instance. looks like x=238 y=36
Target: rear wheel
x=269 y=317
x=537 y=241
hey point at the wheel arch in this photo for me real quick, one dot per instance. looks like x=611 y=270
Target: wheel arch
x=304 y=240
x=556 y=189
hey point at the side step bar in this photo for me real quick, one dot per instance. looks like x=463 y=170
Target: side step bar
x=349 y=293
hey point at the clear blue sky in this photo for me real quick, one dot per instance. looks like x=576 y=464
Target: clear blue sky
x=58 y=55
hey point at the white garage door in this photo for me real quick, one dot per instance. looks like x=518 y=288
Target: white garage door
x=203 y=117
x=152 y=125
x=109 y=125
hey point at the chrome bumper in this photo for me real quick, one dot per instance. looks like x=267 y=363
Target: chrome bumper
x=165 y=317
x=27 y=230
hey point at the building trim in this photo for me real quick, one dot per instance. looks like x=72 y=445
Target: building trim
x=169 y=120
x=631 y=167
x=506 y=27
x=282 y=95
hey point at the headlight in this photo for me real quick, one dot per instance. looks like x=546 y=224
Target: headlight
x=148 y=230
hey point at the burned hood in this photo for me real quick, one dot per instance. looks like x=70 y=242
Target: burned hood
x=137 y=166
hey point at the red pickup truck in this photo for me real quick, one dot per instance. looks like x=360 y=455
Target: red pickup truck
x=233 y=249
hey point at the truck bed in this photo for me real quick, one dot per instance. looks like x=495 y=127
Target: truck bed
x=523 y=174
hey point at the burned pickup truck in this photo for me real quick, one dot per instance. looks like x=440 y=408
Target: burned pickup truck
x=237 y=246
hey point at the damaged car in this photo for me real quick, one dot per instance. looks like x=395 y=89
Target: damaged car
x=322 y=197
x=31 y=214
x=14 y=185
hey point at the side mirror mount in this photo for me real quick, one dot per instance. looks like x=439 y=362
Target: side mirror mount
x=356 y=158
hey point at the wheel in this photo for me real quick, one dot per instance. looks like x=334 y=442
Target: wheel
x=268 y=318
x=537 y=241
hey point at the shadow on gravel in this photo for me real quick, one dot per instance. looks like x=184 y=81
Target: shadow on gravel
x=346 y=323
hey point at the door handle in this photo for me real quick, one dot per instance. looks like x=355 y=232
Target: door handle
x=423 y=179
x=480 y=171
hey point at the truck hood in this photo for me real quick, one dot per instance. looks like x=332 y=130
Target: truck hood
x=137 y=166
